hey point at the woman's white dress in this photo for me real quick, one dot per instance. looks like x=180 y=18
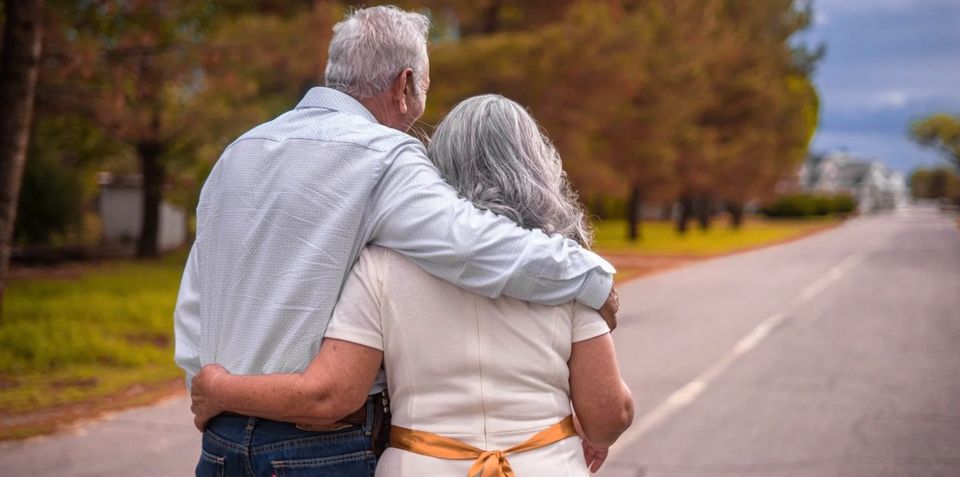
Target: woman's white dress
x=491 y=373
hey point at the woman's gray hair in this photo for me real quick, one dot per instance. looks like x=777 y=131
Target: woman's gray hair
x=496 y=156
x=371 y=46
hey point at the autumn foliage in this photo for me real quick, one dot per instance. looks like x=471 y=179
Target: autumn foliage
x=707 y=104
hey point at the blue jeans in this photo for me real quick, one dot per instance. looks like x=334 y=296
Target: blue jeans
x=251 y=447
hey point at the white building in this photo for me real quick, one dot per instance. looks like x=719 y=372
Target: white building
x=121 y=211
x=874 y=185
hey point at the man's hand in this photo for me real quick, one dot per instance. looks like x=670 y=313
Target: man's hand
x=610 y=308
x=202 y=393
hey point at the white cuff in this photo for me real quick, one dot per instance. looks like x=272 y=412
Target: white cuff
x=596 y=288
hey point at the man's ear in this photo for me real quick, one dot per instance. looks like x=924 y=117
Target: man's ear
x=401 y=85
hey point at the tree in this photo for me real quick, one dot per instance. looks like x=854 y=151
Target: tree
x=935 y=183
x=940 y=131
x=767 y=108
x=662 y=45
x=59 y=179
x=19 y=65
x=657 y=100
x=176 y=81
x=133 y=69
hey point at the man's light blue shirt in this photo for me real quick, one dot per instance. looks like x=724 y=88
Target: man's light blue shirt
x=287 y=209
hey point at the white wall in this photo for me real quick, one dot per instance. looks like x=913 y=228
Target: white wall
x=121 y=213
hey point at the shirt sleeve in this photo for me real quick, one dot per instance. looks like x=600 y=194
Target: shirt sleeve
x=419 y=215
x=587 y=323
x=186 y=319
x=356 y=317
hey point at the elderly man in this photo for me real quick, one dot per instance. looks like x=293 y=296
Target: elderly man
x=290 y=205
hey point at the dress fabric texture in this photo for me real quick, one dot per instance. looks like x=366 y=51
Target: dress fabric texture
x=489 y=372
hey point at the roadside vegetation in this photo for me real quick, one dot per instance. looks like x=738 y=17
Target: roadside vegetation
x=662 y=248
x=660 y=238
x=811 y=205
x=93 y=332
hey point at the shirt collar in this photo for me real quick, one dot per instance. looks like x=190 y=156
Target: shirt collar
x=328 y=98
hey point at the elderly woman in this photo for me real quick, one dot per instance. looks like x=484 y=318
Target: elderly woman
x=476 y=384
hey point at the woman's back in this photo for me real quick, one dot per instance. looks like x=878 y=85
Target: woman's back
x=490 y=373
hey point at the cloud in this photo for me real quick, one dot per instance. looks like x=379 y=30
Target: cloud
x=855 y=6
x=891 y=99
x=888 y=62
x=847 y=100
x=820 y=18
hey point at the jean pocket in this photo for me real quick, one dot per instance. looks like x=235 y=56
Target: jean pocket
x=210 y=465
x=354 y=464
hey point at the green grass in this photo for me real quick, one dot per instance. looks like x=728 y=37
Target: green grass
x=67 y=340
x=659 y=238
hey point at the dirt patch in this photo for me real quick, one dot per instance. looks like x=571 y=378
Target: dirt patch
x=633 y=266
x=65 y=272
x=41 y=421
x=75 y=383
x=6 y=382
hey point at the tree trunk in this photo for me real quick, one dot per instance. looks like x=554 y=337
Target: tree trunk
x=491 y=17
x=703 y=212
x=19 y=64
x=635 y=213
x=686 y=210
x=154 y=174
x=736 y=215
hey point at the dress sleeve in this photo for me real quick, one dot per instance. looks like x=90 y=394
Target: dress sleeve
x=587 y=323
x=356 y=318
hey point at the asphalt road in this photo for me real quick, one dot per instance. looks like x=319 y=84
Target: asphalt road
x=154 y=441
x=836 y=355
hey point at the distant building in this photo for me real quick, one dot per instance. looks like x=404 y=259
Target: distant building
x=874 y=185
x=120 y=206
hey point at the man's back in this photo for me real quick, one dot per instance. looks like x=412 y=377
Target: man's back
x=279 y=224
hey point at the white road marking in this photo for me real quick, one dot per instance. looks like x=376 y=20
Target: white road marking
x=687 y=393
x=827 y=279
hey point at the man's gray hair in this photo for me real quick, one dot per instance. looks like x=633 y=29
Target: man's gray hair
x=371 y=46
x=496 y=156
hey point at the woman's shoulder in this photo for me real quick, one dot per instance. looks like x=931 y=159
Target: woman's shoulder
x=383 y=257
x=392 y=266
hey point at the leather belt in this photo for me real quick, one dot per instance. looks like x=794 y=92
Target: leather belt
x=356 y=418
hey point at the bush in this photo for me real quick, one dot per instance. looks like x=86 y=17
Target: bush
x=50 y=200
x=608 y=207
x=810 y=205
x=64 y=150
x=844 y=204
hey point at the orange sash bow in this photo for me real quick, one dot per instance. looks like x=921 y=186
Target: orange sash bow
x=486 y=463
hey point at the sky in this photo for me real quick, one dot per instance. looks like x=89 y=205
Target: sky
x=887 y=63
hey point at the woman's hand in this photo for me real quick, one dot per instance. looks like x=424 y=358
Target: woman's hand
x=203 y=395
x=594 y=455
